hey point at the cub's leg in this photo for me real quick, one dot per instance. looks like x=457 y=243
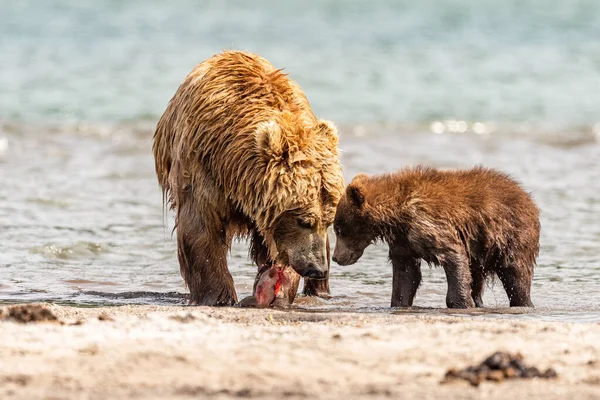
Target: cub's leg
x=458 y=275
x=406 y=276
x=319 y=287
x=443 y=250
x=478 y=283
x=516 y=280
x=202 y=250
x=405 y=282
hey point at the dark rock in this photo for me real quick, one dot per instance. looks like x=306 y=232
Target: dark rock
x=498 y=367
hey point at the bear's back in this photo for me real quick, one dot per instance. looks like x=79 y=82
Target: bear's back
x=211 y=120
x=236 y=78
x=476 y=188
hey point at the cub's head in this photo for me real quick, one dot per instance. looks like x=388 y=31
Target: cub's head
x=352 y=225
x=303 y=185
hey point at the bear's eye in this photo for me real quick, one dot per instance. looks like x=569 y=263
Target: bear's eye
x=337 y=230
x=304 y=223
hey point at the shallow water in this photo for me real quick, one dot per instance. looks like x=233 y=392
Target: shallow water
x=82 y=219
x=445 y=83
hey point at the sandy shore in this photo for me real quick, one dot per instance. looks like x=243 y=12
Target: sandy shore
x=151 y=352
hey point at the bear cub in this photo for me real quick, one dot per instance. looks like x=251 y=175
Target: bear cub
x=473 y=223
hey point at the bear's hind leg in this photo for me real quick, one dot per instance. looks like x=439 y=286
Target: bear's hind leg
x=202 y=253
x=458 y=275
x=516 y=280
x=319 y=287
x=478 y=282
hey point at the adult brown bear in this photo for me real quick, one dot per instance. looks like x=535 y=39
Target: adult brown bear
x=239 y=152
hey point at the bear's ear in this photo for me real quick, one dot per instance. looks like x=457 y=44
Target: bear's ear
x=329 y=131
x=269 y=138
x=327 y=128
x=355 y=194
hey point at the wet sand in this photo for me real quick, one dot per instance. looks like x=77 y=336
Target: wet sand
x=154 y=352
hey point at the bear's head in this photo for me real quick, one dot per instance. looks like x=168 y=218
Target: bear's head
x=302 y=186
x=353 y=224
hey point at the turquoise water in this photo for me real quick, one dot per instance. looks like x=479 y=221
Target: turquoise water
x=511 y=85
x=376 y=61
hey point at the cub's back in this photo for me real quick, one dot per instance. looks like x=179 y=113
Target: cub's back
x=461 y=195
x=494 y=191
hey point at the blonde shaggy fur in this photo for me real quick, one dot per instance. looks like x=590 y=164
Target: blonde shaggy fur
x=237 y=146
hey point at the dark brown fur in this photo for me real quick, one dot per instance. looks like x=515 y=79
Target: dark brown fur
x=474 y=223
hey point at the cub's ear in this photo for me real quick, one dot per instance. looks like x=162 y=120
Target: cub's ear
x=355 y=190
x=269 y=139
x=361 y=177
x=355 y=194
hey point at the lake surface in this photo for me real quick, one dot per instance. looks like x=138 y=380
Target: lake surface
x=510 y=85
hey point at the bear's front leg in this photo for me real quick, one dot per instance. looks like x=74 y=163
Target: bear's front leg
x=202 y=253
x=406 y=276
x=316 y=287
x=459 y=280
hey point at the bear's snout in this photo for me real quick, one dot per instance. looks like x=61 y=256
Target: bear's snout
x=315 y=273
x=306 y=253
x=309 y=269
